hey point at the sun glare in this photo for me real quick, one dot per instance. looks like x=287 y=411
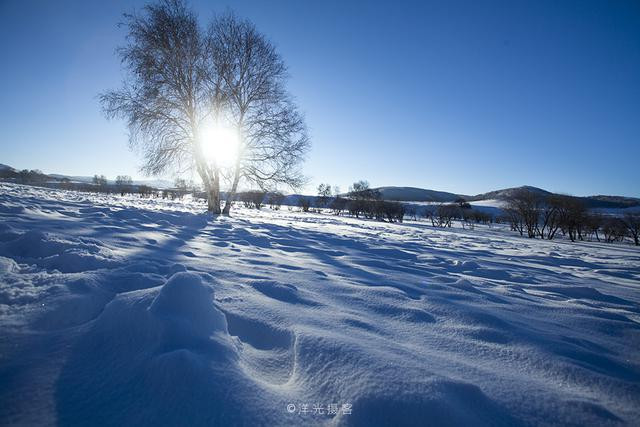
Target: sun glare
x=220 y=144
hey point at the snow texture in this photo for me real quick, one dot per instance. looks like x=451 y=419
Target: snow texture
x=128 y=311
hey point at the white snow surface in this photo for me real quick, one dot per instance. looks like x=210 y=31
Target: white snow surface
x=128 y=311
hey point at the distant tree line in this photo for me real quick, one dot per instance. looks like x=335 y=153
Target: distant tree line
x=527 y=213
x=534 y=215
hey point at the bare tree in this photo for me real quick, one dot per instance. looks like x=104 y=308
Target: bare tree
x=145 y=191
x=181 y=186
x=170 y=90
x=324 y=195
x=338 y=204
x=549 y=217
x=304 y=203
x=412 y=212
x=632 y=222
x=593 y=224
x=523 y=207
x=362 y=199
x=462 y=203
x=613 y=229
x=123 y=184
x=572 y=215
x=275 y=200
x=100 y=181
x=272 y=132
x=445 y=213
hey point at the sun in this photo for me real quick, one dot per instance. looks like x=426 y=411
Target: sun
x=220 y=143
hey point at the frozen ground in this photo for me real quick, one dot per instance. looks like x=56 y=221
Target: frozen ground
x=124 y=311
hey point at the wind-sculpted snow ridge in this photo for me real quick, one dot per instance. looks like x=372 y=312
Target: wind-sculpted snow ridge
x=128 y=311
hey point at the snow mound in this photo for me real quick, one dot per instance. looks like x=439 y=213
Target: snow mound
x=186 y=302
x=162 y=353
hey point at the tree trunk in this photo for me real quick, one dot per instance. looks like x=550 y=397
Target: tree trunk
x=213 y=201
x=231 y=195
x=232 y=191
x=211 y=182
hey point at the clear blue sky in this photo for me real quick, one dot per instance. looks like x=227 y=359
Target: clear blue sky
x=461 y=96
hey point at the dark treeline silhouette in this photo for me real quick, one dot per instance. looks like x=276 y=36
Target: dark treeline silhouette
x=545 y=216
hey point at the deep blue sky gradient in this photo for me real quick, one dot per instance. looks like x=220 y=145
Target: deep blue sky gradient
x=461 y=96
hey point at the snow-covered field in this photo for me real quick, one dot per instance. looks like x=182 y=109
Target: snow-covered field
x=124 y=311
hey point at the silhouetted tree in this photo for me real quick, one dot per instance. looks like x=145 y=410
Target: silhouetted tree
x=304 y=203
x=412 y=212
x=123 y=184
x=171 y=91
x=462 y=203
x=273 y=134
x=631 y=221
x=572 y=215
x=145 y=191
x=100 y=181
x=593 y=223
x=613 y=229
x=523 y=208
x=324 y=195
x=275 y=200
x=362 y=199
x=445 y=214
x=338 y=205
x=181 y=186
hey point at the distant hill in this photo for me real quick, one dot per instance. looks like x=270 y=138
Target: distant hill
x=7 y=172
x=591 y=201
x=412 y=194
x=611 y=201
x=505 y=193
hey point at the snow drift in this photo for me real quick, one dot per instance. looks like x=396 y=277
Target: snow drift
x=117 y=310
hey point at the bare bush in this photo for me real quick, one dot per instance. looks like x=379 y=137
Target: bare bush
x=614 y=230
x=362 y=200
x=445 y=214
x=593 y=224
x=572 y=216
x=631 y=221
x=523 y=209
x=338 y=205
x=304 y=203
x=412 y=212
x=124 y=184
x=33 y=176
x=145 y=191
x=100 y=183
x=275 y=200
x=252 y=199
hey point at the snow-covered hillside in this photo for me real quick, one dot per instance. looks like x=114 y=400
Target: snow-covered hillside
x=127 y=311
